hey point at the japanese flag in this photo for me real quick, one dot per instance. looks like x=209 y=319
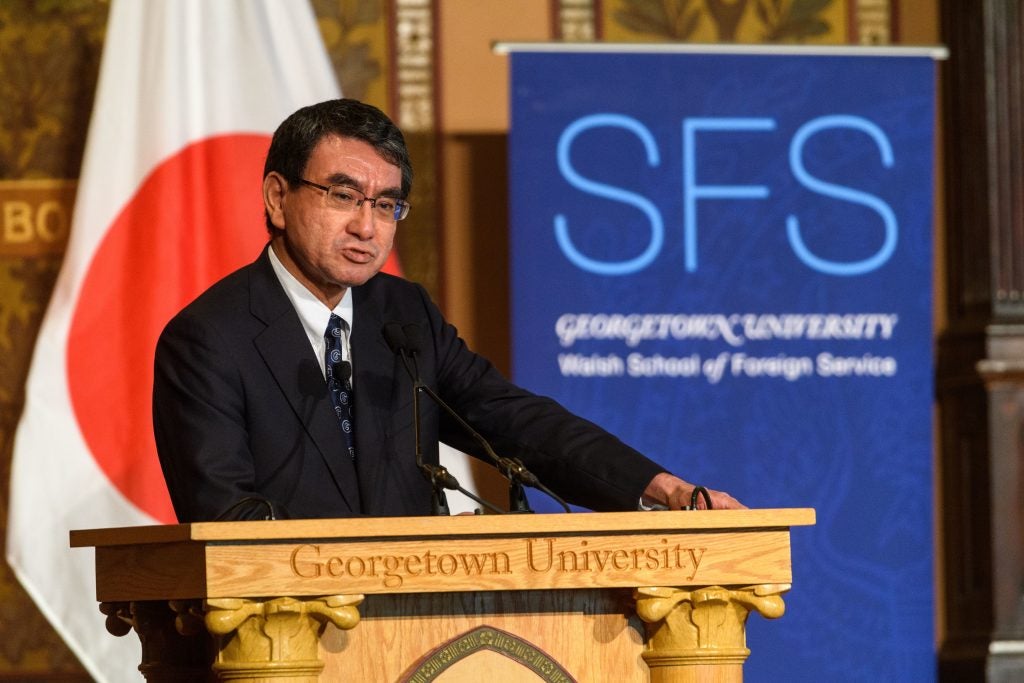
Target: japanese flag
x=168 y=202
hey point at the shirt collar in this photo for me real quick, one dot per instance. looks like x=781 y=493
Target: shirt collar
x=312 y=312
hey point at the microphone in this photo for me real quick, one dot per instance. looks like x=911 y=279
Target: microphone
x=512 y=468
x=439 y=477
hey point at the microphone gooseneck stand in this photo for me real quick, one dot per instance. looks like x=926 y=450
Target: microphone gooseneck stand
x=511 y=468
x=439 y=477
x=407 y=341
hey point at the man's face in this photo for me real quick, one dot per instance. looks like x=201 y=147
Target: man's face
x=325 y=248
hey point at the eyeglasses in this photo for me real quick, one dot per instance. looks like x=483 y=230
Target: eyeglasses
x=349 y=199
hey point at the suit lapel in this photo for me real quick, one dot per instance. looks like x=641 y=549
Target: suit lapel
x=375 y=386
x=290 y=359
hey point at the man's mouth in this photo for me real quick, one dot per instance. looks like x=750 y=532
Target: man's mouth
x=358 y=255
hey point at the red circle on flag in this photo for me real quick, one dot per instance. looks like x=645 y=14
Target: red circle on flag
x=197 y=217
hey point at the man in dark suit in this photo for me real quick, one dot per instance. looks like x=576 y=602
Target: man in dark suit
x=251 y=409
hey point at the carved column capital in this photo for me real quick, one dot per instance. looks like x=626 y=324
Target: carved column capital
x=173 y=650
x=275 y=638
x=702 y=627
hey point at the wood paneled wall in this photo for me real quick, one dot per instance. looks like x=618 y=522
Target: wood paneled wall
x=980 y=374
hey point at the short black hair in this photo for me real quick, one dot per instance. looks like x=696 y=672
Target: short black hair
x=297 y=136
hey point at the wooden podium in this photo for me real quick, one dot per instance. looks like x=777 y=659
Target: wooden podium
x=633 y=596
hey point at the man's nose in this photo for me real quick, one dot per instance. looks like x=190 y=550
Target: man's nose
x=361 y=222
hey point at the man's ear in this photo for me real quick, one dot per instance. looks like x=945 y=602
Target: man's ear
x=275 y=192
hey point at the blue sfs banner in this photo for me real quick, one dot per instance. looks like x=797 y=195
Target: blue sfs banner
x=726 y=259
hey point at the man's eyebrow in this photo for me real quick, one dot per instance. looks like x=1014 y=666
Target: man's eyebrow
x=345 y=179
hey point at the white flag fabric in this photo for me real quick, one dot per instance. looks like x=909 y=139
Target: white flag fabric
x=169 y=201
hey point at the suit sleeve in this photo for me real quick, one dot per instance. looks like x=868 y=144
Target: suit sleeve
x=576 y=458
x=199 y=424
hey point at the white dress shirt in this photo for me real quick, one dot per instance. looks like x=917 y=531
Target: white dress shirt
x=314 y=314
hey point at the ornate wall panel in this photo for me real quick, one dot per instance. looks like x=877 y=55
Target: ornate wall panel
x=49 y=59
x=727 y=21
x=413 y=103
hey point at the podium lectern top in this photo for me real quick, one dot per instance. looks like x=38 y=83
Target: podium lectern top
x=444 y=554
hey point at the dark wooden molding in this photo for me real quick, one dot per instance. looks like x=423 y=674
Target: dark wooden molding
x=980 y=373
x=1005 y=99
